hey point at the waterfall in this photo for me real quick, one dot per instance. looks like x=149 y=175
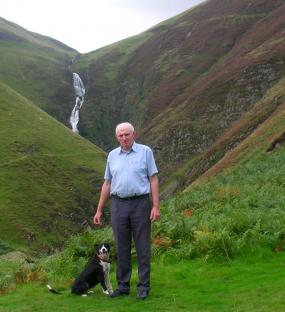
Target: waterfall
x=79 y=92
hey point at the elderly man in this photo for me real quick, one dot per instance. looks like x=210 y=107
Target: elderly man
x=130 y=176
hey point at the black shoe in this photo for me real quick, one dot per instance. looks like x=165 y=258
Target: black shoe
x=142 y=294
x=118 y=293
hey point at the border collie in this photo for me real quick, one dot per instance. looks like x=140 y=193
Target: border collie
x=96 y=271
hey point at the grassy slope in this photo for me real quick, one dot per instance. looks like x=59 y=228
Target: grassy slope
x=50 y=178
x=14 y=32
x=252 y=285
x=37 y=67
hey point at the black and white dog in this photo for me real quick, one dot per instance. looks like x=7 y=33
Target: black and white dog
x=96 y=271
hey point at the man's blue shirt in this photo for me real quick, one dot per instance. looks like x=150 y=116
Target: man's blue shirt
x=130 y=172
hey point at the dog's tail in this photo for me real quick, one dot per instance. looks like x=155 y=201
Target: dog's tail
x=52 y=290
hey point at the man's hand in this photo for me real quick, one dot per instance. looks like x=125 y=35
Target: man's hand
x=154 y=214
x=105 y=192
x=97 y=218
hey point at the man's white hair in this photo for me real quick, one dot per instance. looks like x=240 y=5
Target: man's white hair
x=125 y=125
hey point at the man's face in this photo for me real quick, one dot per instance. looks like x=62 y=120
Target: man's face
x=126 y=138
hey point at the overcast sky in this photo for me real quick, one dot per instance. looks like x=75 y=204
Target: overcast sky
x=87 y=25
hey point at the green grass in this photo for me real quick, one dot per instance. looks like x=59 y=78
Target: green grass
x=40 y=75
x=37 y=67
x=253 y=284
x=50 y=177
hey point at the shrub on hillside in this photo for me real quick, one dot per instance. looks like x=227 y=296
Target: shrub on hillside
x=234 y=214
x=4 y=248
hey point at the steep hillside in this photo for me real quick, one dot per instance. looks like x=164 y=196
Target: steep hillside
x=38 y=68
x=267 y=139
x=50 y=178
x=222 y=95
x=186 y=81
x=236 y=208
x=236 y=133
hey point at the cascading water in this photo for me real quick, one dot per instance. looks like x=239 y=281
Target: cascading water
x=79 y=92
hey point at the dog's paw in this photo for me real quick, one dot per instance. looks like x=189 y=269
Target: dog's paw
x=84 y=295
x=105 y=292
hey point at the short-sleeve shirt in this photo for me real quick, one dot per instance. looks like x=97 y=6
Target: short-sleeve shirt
x=130 y=172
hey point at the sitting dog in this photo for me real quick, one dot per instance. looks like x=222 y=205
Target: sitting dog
x=96 y=271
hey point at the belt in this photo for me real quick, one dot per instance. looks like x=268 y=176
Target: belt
x=130 y=197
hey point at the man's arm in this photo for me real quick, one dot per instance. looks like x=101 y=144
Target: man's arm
x=104 y=196
x=154 y=184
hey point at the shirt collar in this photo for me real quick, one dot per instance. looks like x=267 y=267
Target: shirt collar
x=133 y=149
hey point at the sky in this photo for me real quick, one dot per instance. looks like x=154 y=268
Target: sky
x=87 y=25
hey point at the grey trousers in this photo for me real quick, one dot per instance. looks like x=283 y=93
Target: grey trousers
x=131 y=219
